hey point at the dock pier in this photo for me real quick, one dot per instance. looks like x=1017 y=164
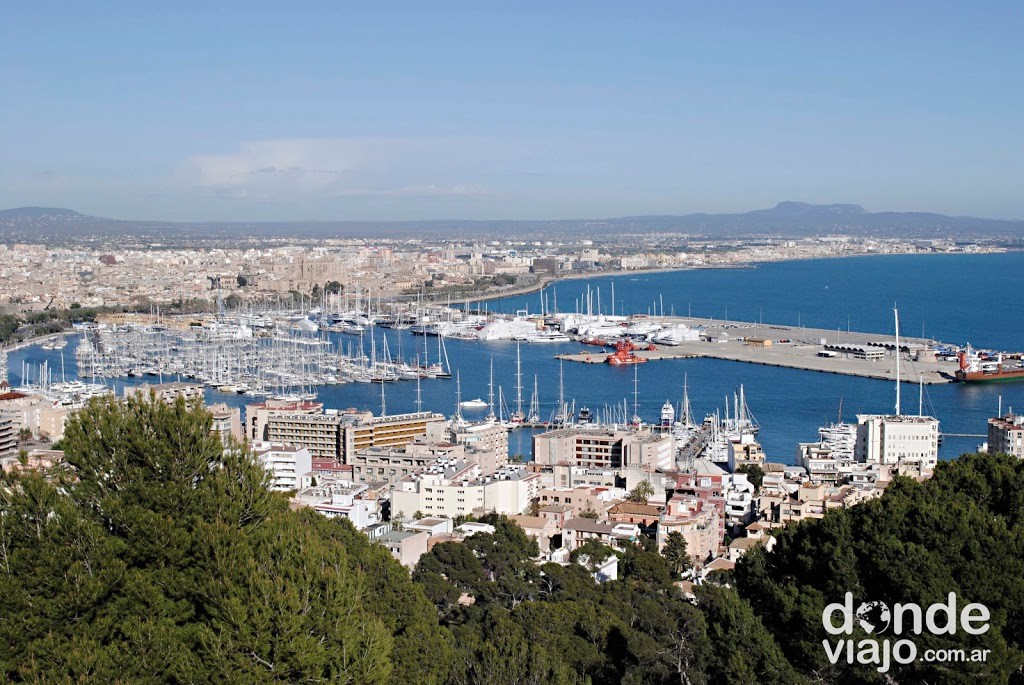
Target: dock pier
x=795 y=348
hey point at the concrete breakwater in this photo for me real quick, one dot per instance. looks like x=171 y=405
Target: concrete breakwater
x=851 y=353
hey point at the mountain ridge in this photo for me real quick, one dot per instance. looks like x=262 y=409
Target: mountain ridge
x=785 y=219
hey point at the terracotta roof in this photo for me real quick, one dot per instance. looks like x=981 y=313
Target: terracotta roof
x=531 y=521
x=744 y=543
x=589 y=526
x=635 y=508
x=720 y=564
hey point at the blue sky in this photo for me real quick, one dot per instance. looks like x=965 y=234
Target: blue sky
x=281 y=111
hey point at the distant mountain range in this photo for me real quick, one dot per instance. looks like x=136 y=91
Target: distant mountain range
x=786 y=219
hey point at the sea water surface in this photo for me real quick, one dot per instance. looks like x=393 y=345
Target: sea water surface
x=955 y=298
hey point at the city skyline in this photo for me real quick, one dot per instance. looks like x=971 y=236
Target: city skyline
x=412 y=113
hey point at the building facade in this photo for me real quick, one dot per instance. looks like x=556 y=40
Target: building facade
x=1006 y=435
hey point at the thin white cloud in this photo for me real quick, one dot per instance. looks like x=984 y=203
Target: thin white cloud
x=307 y=168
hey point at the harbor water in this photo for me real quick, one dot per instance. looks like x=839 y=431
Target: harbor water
x=954 y=298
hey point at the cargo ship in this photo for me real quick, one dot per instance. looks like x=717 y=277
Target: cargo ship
x=977 y=369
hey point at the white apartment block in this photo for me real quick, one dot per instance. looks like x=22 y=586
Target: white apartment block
x=287 y=464
x=450 y=490
x=898 y=439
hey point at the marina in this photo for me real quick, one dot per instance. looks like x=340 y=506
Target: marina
x=790 y=400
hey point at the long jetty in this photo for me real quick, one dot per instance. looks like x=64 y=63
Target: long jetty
x=809 y=349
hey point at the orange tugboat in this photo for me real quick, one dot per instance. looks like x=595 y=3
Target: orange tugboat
x=624 y=355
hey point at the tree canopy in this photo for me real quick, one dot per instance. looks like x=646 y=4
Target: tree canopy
x=166 y=559
x=163 y=557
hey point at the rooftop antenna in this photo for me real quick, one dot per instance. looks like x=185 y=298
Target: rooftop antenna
x=896 y=315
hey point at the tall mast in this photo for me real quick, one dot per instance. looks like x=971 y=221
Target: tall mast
x=419 y=394
x=636 y=394
x=561 y=392
x=896 y=315
x=383 y=401
x=519 y=383
x=490 y=394
x=687 y=419
x=458 y=395
x=534 y=403
x=920 y=397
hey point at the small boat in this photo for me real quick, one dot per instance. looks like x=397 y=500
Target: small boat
x=473 y=404
x=548 y=337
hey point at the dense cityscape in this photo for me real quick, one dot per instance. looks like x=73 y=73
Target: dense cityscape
x=372 y=394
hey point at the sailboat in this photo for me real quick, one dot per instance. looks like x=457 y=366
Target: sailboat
x=534 y=415
x=518 y=416
x=636 y=421
x=490 y=396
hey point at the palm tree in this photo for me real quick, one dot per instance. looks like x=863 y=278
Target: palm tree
x=675 y=553
x=641 y=493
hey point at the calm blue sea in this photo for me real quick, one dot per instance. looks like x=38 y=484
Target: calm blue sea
x=955 y=298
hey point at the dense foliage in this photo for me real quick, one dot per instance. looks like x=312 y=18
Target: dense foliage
x=961 y=531
x=168 y=560
x=165 y=559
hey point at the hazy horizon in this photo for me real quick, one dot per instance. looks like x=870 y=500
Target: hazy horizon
x=494 y=219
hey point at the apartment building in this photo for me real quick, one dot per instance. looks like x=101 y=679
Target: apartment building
x=388 y=464
x=338 y=435
x=345 y=501
x=363 y=429
x=458 y=489
x=579 y=531
x=898 y=439
x=8 y=437
x=405 y=545
x=258 y=416
x=696 y=520
x=582 y=498
x=482 y=439
x=1006 y=435
x=287 y=464
x=227 y=422
x=319 y=433
x=601 y=448
x=36 y=413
